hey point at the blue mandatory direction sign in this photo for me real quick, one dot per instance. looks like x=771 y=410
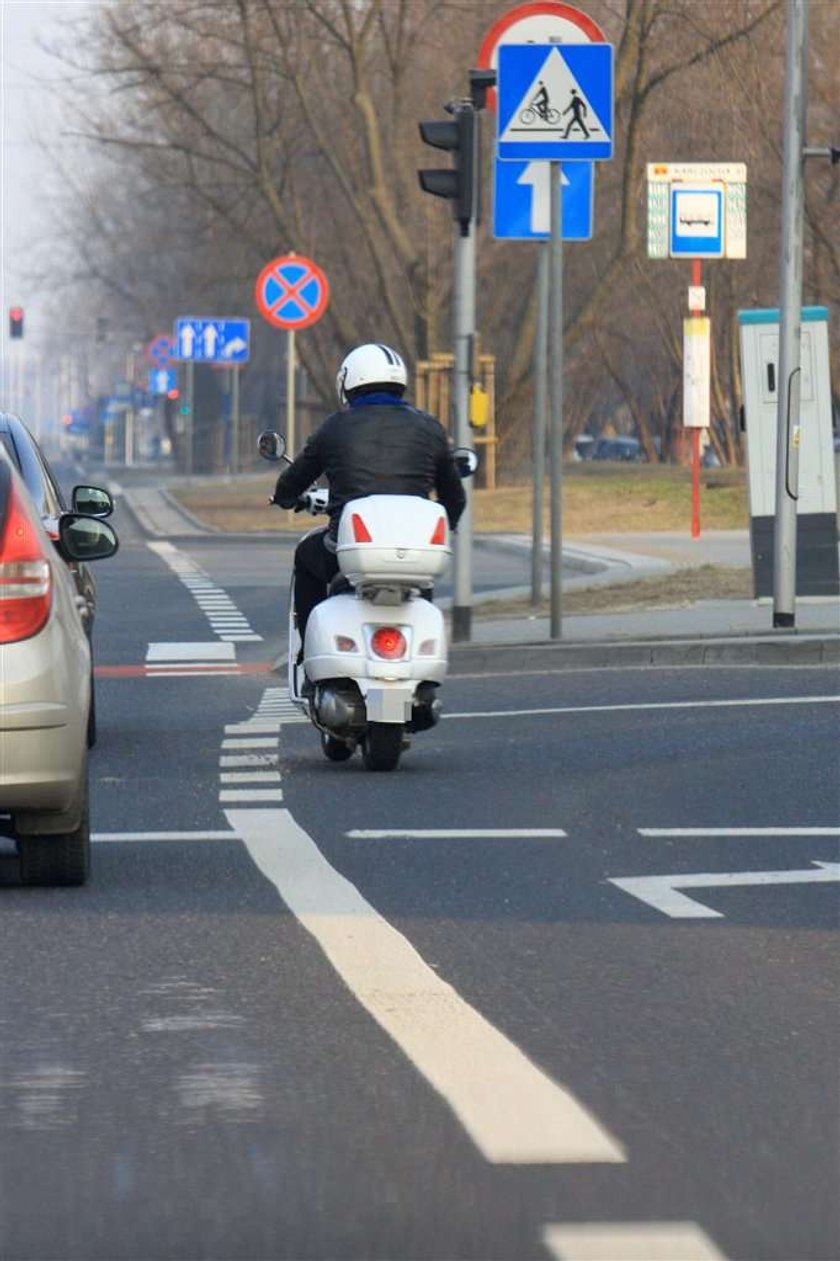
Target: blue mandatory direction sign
x=203 y=340
x=522 y=198
x=162 y=380
x=555 y=102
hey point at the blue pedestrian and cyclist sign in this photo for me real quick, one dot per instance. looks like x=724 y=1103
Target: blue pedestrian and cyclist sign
x=555 y=102
x=202 y=340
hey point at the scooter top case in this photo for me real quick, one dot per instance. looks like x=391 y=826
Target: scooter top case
x=393 y=539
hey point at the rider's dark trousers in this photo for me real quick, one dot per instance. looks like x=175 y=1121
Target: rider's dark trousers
x=315 y=567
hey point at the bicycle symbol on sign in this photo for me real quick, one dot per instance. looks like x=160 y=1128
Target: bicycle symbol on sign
x=539 y=108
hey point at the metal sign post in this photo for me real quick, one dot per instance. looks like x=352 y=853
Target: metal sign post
x=555 y=398
x=538 y=439
x=234 y=419
x=788 y=434
x=290 y=391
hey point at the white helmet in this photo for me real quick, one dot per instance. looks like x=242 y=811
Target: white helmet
x=370 y=365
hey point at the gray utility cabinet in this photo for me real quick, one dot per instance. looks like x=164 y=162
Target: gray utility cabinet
x=816 y=509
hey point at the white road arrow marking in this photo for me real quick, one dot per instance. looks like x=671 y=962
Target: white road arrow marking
x=662 y=892
x=538 y=175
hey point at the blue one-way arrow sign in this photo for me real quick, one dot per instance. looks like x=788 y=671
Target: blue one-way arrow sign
x=522 y=196
x=212 y=341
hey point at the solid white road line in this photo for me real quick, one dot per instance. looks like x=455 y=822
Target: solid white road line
x=652 y=705
x=191 y=652
x=630 y=1241
x=712 y=832
x=511 y=1109
x=456 y=834
x=164 y=836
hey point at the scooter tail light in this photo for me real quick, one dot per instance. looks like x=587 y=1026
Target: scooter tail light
x=343 y=643
x=427 y=648
x=25 y=576
x=389 y=643
x=438 y=538
x=361 y=534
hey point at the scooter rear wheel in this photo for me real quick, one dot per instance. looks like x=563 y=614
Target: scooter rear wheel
x=382 y=746
x=335 y=750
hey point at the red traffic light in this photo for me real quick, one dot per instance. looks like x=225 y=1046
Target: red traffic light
x=173 y=394
x=16 y=321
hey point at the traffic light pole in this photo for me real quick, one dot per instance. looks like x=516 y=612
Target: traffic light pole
x=463 y=320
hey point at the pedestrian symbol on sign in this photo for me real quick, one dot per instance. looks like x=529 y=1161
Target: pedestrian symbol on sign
x=578 y=110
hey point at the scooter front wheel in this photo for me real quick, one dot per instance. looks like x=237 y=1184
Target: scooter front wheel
x=382 y=746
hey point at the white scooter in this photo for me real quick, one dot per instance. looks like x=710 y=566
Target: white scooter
x=375 y=651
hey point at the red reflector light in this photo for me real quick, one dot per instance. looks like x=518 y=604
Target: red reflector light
x=25 y=579
x=388 y=642
x=439 y=536
x=361 y=534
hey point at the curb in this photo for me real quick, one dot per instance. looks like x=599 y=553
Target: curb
x=787 y=649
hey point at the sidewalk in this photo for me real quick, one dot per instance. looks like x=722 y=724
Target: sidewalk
x=710 y=630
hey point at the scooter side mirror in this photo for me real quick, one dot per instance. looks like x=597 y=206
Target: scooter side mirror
x=271 y=445
x=466 y=461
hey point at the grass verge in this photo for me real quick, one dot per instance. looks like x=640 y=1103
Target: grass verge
x=610 y=499
x=676 y=590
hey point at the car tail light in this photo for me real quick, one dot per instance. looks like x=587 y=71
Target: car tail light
x=388 y=642
x=361 y=533
x=439 y=537
x=25 y=578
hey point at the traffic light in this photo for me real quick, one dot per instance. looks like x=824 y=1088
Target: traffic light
x=16 y=321
x=460 y=183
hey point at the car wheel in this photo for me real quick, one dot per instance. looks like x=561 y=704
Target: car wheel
x=63 y=859
x=336 y=750
x=383 y=746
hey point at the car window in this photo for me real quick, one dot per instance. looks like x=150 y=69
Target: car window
x=40 y=485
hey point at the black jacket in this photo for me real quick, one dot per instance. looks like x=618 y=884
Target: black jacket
x=382 y=448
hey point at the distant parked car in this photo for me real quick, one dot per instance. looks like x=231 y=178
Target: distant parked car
x=45 y=685
x=627 y=449
x=48 y=499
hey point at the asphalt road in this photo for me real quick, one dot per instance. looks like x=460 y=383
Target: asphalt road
x=414 y=1015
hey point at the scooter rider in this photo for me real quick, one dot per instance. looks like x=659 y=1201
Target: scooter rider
x=376 y=444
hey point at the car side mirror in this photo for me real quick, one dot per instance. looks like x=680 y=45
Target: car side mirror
x=86 y=538
x=92 y=501
x=271 y=445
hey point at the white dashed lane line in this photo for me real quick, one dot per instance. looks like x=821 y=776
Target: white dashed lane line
x=226 y=620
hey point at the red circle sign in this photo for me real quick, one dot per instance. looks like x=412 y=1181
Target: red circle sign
x=291 y=292
x=540 y=22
